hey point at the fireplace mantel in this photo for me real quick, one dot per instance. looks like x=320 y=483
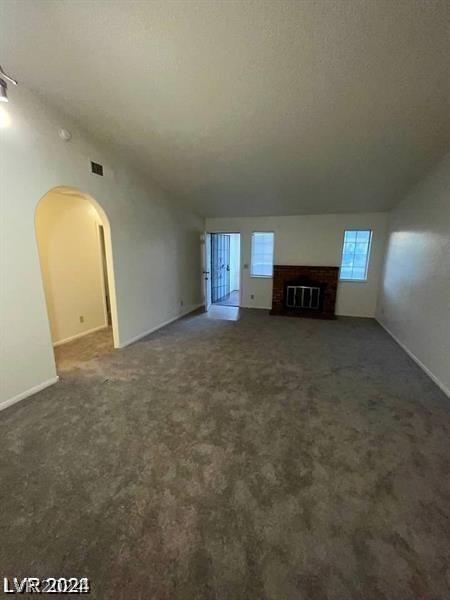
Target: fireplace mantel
x=300 y=276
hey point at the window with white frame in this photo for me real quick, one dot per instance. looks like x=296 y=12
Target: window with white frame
x=355 y=254
x=262 y=254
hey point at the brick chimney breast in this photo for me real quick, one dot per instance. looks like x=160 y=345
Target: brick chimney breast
x=303 y=291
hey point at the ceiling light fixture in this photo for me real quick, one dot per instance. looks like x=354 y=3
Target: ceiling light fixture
x=4 y=86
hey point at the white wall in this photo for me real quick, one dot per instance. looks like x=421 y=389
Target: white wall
x=156 y=247
x=415 y=295
x=310 y=240
x=71 y=265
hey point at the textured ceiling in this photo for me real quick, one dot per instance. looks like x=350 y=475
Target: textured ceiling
x=240 y=108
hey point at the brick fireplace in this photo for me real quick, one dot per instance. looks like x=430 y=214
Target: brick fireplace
x=301 y=291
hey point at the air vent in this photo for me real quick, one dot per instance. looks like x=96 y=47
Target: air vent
x=97 y=168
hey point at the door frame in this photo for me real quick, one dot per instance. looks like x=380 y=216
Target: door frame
x=225 y=232
x=101 y=241
x=206 y=269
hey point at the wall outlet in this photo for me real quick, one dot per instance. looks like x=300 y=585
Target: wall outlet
x=252 y=296
x=181 y=303
x=81 y=319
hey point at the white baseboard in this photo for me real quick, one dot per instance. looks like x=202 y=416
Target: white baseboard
x=153 y=329
x=79 y=335
x=30 y=392
x=418 y=362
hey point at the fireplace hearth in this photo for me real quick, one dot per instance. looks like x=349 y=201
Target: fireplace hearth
x=303 y=291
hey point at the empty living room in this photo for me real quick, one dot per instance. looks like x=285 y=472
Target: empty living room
x=225 y=299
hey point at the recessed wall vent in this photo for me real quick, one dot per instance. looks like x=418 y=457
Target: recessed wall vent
x=97 y=168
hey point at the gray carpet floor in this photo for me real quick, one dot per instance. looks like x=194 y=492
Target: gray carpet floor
x=267 y=458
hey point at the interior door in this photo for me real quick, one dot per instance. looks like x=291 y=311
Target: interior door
x=206 y=269
x=220 y=266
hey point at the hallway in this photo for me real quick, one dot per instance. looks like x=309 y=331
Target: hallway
x=79 y=353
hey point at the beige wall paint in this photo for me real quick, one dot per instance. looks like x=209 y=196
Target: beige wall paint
x=415 y=295
x=71 y=264
x=311 y=240
x=155 y=243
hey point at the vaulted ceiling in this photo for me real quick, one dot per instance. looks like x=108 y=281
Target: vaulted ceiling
x=249 y=107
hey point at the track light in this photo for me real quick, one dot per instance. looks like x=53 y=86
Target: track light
x=4 y=86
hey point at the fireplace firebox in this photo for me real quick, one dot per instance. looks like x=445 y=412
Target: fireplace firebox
x=302 y=296
x=304 y=291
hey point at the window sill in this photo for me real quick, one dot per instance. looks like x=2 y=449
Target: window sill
x=354 y=280
x=261 y=276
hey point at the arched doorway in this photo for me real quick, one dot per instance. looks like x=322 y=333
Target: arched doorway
x=74 y=241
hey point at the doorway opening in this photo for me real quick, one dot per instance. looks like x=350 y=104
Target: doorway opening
x=225 y=269
x=74 y=244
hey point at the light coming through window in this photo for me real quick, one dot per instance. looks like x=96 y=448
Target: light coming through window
x=355 y=255
x=262 y=254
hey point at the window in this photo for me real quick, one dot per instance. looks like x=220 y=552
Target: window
x=355 y=255
x=262 y=254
